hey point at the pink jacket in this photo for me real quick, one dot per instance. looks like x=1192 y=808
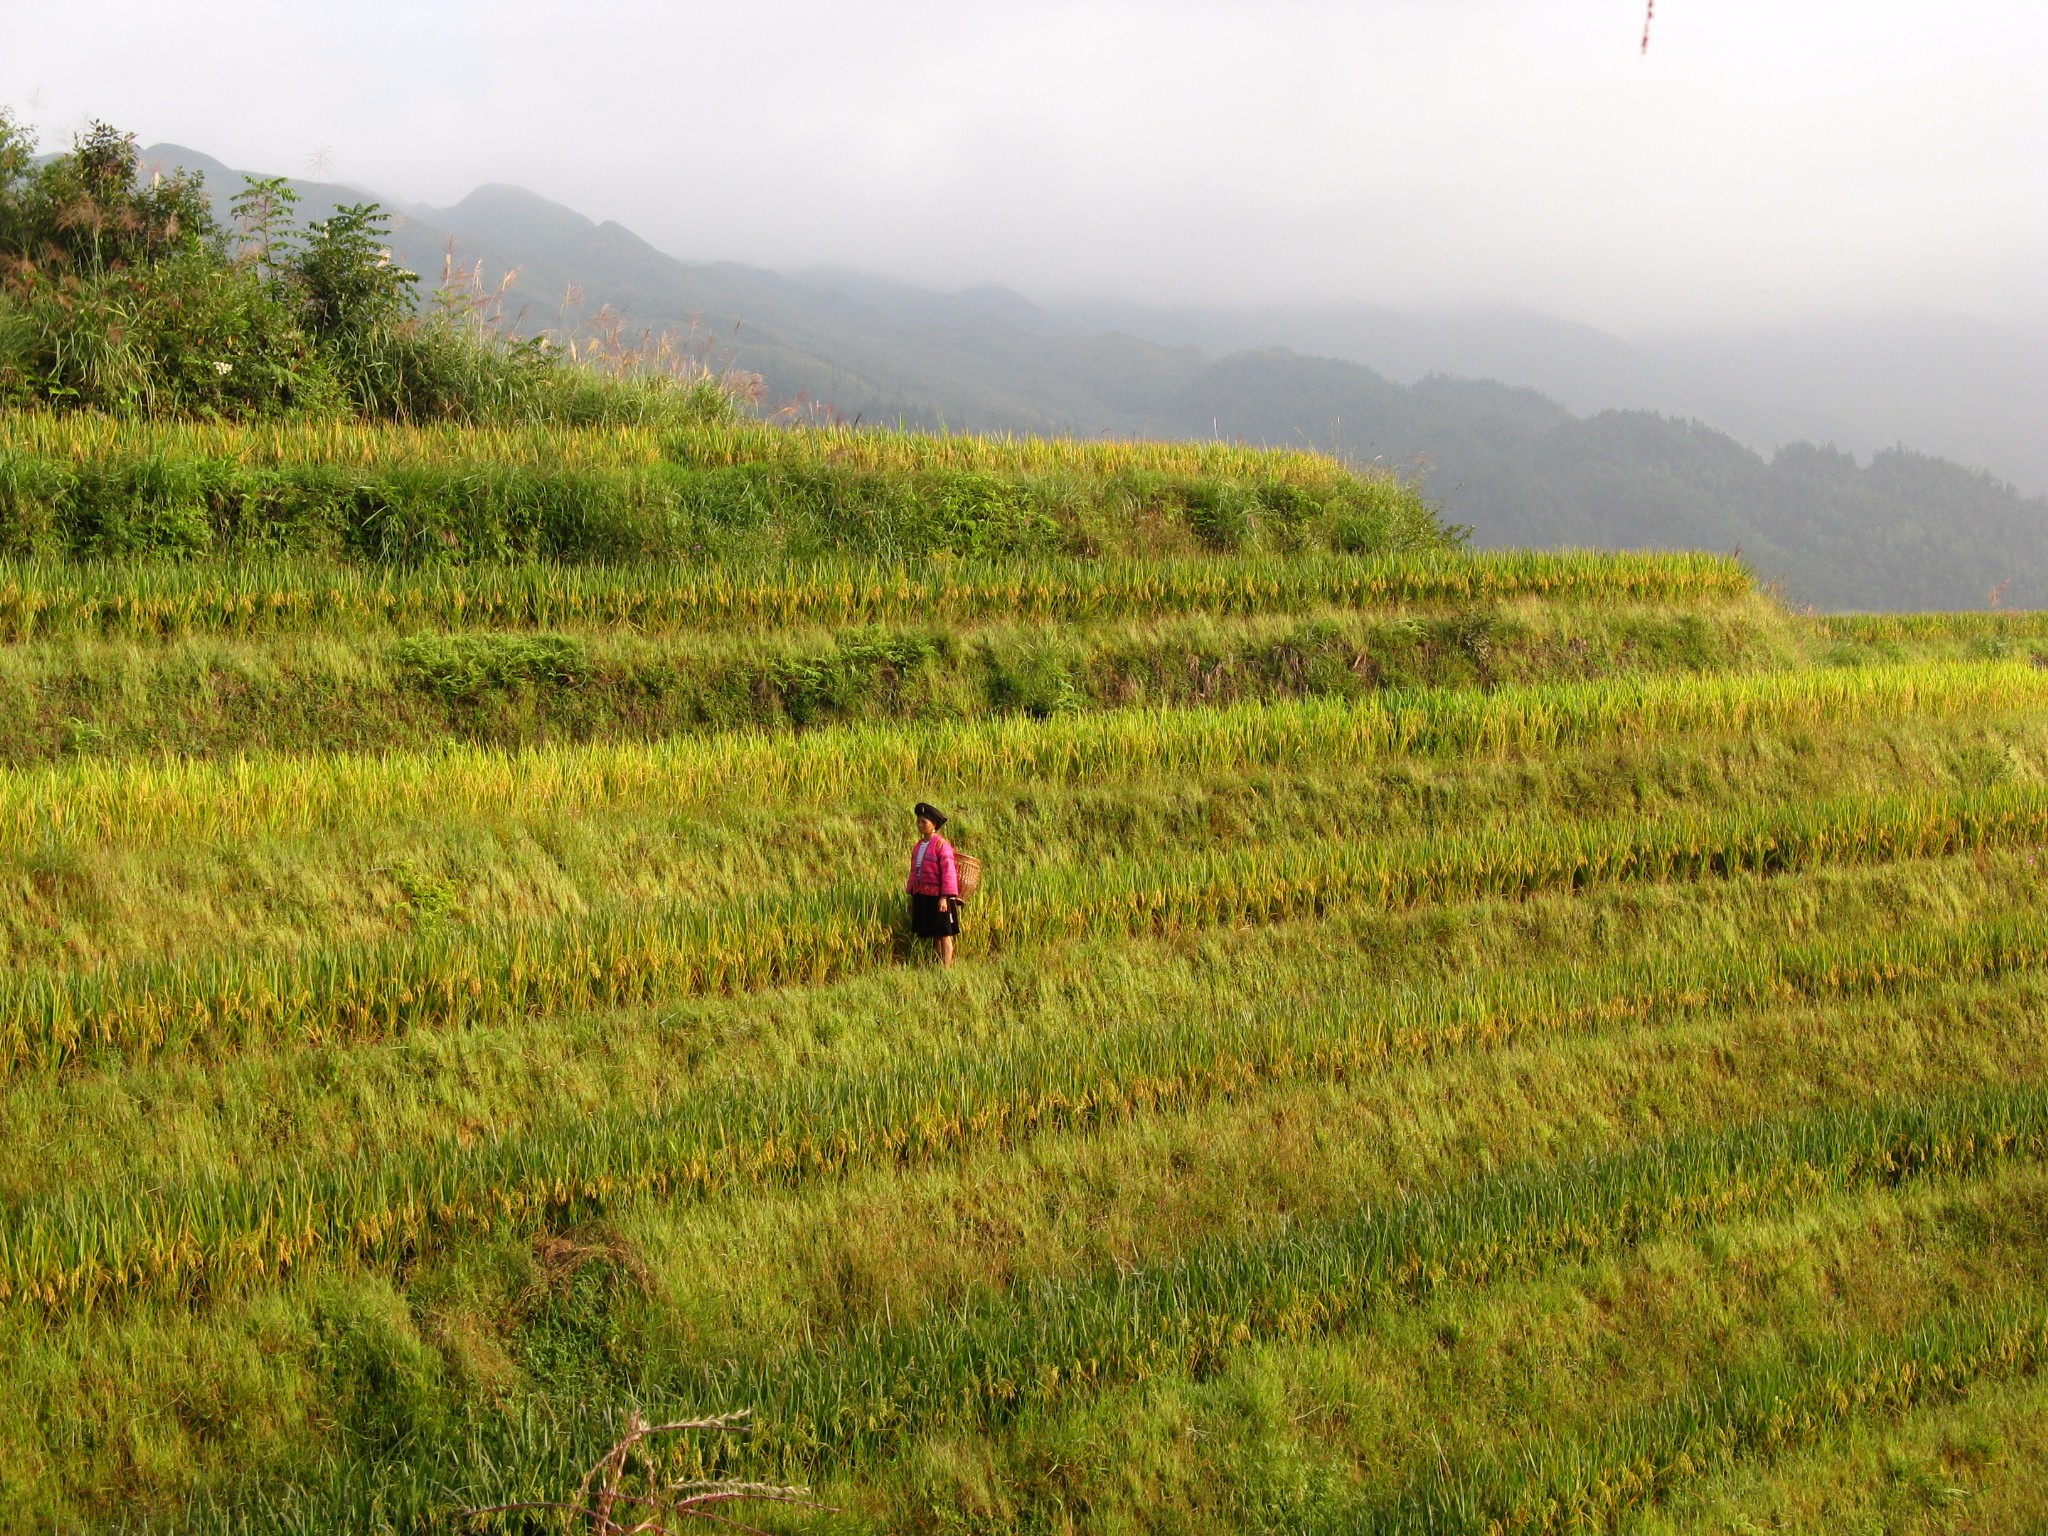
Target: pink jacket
x=933 y=870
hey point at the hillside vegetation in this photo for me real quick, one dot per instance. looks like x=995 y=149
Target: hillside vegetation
x=1449 y=1041
x=1902 y=530
x=136 y=294
x=1899 y=529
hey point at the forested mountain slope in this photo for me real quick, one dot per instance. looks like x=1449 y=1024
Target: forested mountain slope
x=1903 y=531
x=1949 y=384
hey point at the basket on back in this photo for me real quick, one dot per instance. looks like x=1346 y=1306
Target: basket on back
x=969 y=868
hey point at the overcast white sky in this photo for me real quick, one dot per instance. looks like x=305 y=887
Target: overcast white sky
x=1768 y=158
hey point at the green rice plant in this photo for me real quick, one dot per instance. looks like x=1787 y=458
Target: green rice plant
x=151 y=600
x=366 y=494
x=488 y=563
x=81 y=436
x=1582 y=1399
x=198 y=697
x=88 y=903
x=80 y=1244
x=1552 y=1484
x=1982 y=1458
x=143 y=803
x=1603 y=948
x=848 y=1401
x=1981 y=627
x=986 y=1363
x=807 y=936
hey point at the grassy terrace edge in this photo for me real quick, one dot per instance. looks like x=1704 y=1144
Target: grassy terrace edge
x=716 y=443
x=92 y=488
x=164 y=599
x=135 y=802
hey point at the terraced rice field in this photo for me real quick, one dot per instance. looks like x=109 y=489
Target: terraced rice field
x=1530 y=1043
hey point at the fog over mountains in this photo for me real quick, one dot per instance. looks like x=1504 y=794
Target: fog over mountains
x=1531 y=429
x=1945 y=384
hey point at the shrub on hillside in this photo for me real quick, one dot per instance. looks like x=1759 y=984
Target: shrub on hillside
x=126 y=295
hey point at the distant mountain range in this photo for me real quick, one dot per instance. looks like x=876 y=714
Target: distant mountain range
x=1598 y=441
x=1945 y=384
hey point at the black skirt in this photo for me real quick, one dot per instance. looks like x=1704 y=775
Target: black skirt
x=928 y=922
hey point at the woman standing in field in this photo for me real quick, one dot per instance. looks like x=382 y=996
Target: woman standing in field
x=934 y=883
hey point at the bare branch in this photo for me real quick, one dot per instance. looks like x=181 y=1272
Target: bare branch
x=604 y=1488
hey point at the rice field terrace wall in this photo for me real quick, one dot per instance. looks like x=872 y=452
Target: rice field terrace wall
x=1521 y=1042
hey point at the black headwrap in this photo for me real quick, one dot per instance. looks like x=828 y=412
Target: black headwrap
x=931 y=813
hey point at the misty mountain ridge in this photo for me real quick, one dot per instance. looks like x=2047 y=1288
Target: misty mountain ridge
x=1591 y=443
x=1948 y=384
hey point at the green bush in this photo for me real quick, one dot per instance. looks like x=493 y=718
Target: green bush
x=1221 y=516
x=130 y=298
x=382 y=1384
x=462 y=668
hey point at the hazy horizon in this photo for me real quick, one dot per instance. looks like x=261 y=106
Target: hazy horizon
x=1761 y=163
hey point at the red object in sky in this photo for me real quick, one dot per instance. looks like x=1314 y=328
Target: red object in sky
x=1649 y=16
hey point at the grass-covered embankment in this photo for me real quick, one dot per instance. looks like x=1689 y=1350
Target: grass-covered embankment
x=720 y=490
x=226 y=696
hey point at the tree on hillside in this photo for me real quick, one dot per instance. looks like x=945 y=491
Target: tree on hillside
x=123 y=293
x=86 y=212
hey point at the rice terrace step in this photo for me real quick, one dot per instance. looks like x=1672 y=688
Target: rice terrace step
x=1465 y=1031
x=1322 y=853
